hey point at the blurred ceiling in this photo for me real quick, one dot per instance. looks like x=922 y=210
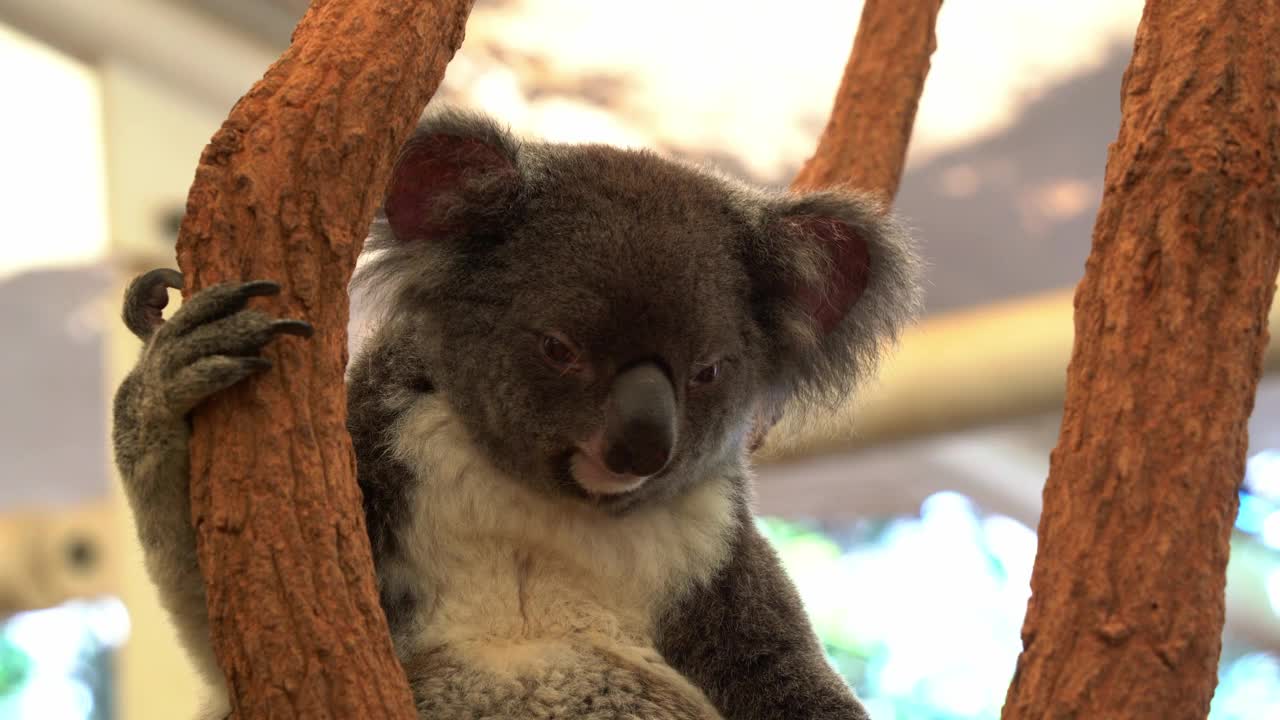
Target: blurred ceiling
x=1006 y=165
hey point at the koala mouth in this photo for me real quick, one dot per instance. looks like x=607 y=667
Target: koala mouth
x=590 y=473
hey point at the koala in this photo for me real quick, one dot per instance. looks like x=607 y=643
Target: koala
x=551 y=420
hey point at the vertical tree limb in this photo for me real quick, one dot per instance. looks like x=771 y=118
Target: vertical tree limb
x=865 y=141
x=285 y=191
x=864 y=145
x=1126 y=613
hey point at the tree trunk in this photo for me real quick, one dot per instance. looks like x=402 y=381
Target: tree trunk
x=865 y=142
x=864 y=145
x=285 y=191
x=1126 y=613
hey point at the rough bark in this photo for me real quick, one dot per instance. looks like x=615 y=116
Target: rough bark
x=864 y=145
x=1126 y=612
x=285 y=191
x=865 y=141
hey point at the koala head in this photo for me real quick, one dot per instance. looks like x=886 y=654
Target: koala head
x=606 y=322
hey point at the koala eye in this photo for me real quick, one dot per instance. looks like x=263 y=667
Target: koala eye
x=706 y=375
x=559 y=353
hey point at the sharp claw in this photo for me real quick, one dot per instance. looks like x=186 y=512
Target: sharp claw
x=301 y=328
x=146 y=298
x=170 y=277
x=257 y=364
x=259 y=287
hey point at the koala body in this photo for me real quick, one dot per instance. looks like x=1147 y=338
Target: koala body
x=525 y=606
x=551 y=419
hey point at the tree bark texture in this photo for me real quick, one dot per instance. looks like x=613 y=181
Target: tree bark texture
x=864 y=145
x=865 y=142
x=1126 y=612
x=285 y=191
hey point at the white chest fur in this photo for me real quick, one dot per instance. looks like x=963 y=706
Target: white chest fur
x=505 y=567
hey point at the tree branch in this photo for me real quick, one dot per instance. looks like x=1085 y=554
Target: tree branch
x=865 y=142
x=1125 y=618
x=285 y=191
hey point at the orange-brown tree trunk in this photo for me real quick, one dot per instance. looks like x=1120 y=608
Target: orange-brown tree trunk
x=285 y=191
x=866 y=138
x=864 y=145
x=1126 y=612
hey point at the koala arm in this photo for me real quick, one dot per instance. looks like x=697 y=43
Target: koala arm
x=745 y=640
x=210 y=344
x=153 y=462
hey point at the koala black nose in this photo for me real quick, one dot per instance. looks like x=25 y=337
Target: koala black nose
x=640 y=432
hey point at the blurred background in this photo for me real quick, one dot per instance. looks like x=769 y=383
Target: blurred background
x=908 y=523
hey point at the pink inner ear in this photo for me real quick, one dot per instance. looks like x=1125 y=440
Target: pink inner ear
x=429 y=169
x=850 y=270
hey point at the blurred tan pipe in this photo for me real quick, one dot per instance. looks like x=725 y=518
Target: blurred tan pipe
x=957 y=371
x=55 y=554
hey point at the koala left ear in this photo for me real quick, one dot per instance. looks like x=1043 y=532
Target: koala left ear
x=836 y=280
x=456 y=175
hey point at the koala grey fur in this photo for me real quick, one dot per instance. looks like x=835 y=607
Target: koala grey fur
x=550 y=422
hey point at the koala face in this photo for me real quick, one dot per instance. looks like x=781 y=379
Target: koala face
x=606 y=322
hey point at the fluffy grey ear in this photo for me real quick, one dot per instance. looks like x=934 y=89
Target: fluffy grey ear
x=836 y=281
x=456 y=175
x=456 y=184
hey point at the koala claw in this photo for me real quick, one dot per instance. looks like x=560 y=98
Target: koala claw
x=259 y=287
x=146 y=299
x=300 y=328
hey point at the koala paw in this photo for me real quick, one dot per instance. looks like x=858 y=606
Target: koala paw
x=211 y=343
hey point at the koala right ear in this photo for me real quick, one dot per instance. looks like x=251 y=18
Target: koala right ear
x=836 y=279
x=454 y=177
